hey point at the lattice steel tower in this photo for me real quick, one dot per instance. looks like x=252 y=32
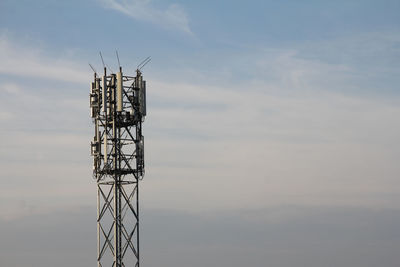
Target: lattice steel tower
x=118 y=108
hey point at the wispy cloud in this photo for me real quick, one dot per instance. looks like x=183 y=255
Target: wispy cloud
x=173 y=17
x=23 y=60
x=283 y=236
x=293 y=142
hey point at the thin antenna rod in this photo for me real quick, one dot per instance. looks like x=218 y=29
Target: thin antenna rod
x=108 y=67
x=102 y=60
x=141 y=63
x=92 y=68
x=116 y=52
x=145 y=63
x=104 y=64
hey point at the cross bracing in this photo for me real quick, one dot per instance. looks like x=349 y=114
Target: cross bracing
x=118 y=108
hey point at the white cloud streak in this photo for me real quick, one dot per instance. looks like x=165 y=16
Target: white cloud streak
x=21 y=60
x=174 y=17
x=262 y=149
x=216 y=147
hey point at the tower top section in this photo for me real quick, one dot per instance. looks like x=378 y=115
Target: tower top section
x=117 y=104
x=118 y=109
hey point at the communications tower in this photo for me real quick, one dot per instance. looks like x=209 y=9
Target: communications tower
x=118 y=108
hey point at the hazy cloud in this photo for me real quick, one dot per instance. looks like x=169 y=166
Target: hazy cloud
x=20 y=59
x=266 y=145
x=273 y=152
x=280 y=236
x=173 y=17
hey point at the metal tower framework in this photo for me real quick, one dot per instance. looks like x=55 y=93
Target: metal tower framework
x=118 y=108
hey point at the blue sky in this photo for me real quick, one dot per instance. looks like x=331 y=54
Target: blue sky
x=205 y=32
x=271 y=116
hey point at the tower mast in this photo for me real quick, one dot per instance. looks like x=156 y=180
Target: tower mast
x=118 y=108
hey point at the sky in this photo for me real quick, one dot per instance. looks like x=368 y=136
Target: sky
x=271 y=136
